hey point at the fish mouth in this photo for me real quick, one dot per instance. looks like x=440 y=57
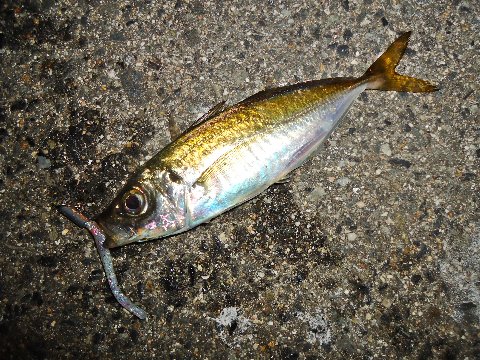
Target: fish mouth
x=116 y=235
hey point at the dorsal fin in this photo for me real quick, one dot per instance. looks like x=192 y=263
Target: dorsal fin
x=175 y=132
x=272 y=92
x=214 y=111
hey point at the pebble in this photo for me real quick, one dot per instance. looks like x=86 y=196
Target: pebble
x=360 y=204
x=343 y=181
x=351 y=236
x=387 y=303
x=43 y=162
x=385 y=149
x=222 y=237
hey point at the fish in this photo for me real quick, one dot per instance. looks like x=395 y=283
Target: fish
x=232 y=154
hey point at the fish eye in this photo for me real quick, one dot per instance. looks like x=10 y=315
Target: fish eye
x=134 y=202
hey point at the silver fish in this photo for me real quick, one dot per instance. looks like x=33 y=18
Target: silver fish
x=231 y=155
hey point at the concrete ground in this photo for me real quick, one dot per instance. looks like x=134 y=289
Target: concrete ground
x=371 y=250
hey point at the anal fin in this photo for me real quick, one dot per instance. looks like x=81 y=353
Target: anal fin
x=284 y=180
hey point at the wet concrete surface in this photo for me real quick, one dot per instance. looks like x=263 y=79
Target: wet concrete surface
x=371 y=250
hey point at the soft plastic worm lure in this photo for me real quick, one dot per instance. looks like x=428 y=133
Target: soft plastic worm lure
x=105 y=256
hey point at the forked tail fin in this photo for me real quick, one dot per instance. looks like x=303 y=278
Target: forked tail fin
x=382 y=76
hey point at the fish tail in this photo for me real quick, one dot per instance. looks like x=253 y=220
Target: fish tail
x=382 y=76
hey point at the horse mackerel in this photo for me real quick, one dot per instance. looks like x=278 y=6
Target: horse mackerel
x=233 y=154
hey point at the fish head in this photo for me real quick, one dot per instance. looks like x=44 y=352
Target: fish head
x=150 y=206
